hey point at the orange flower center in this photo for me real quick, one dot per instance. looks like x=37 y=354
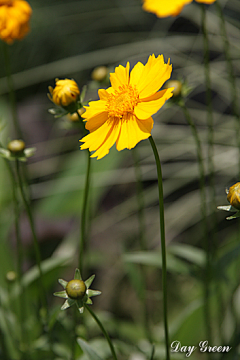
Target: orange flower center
x=122 y=101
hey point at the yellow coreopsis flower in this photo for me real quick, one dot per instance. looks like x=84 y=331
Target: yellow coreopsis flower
x=163 y=8
x=65 y=92
x=14 y=19
x=123 y=115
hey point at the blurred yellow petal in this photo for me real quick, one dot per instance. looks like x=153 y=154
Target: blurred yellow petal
x=133 y=131
x=206 y=1
x=143 y=110
x=120 y=76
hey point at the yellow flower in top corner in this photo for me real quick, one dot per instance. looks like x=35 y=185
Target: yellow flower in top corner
x=14 y=19
x=65 y=93
x=163 y=8
x=123 y=115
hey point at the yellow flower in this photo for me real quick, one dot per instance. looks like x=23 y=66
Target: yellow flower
x=163 y=8
x=65 y=92
x=123 y=115
x=14 y=19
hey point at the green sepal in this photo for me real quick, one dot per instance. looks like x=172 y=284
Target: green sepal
x=89 y=281
x=29 y=152
x=63 y=283
x=61 y=294
x=58 y=112
x=83 y=93
x=67 y=304
x=93 y=292
x=227 y=208
x=77 y=275
x=233 y=216
x=5 y=153
x=89 y=301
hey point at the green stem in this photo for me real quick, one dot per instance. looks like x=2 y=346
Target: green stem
x=232 y=78
x=103 y=331
x=235 y=108
x=163 y=245
x=11 y=90
x=35 y=241
x=84 y=205
x=208 y=248
x=200 y=165
x=142 y=242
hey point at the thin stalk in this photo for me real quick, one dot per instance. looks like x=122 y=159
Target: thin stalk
x=208 y=248
x=83 y=237
x=235 y=108
x=11 y=90
x=22 y=312
x=200 y=164
x=163 y=245
x=35 y=241
x=231 y=77
x=103 y=331
x=142 y=242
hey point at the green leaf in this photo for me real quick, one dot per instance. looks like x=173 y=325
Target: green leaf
x=88 y=350
x=77 y=275
x=188 y=252
x=61 y=294
x=63 y=283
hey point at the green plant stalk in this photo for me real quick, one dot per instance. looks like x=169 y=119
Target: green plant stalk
x=84 y=209
x=35 y=241
x=11 y=90
x=103 y=331
x=142 y=242
x=163 y=245
x=193 y=128
x=19 y=256
x=232 y=80
x=235 y=110
x=208 y=248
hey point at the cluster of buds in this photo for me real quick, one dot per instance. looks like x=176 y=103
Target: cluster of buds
x=233 y=197
x=16 y=149
x=77 y=292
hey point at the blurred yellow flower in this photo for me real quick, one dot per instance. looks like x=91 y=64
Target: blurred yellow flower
x=65 y=92
x=163 y=8
x=233 y=195
x=14 y=19
x=123 y=115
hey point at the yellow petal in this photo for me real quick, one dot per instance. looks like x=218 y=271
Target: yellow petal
x=145 y=109
x=120 y=76
x=136 y=73
x=94 y=108
x=96 y=121
x=154 y=75
x=133 y=131
x=164 y=8
x=108 y=142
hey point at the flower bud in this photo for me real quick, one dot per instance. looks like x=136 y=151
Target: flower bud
x=11 y=276
x=65 y=94
x=16 y=146
x=76 y=289
x=74 y=117
x=177 y=87
x=99 y=73
x=233 y=195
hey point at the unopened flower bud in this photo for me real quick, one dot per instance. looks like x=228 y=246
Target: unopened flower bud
x=16 y=146
x=99 y=73
x=233 y=195
x=177 y=87
x=11 y=276
x=65 y=94
x=74 y=117
x=76 y=289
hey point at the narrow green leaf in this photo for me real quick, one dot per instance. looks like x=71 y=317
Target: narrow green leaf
x=88 y=350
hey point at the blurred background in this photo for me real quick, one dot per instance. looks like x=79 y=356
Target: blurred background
x=68 y=39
